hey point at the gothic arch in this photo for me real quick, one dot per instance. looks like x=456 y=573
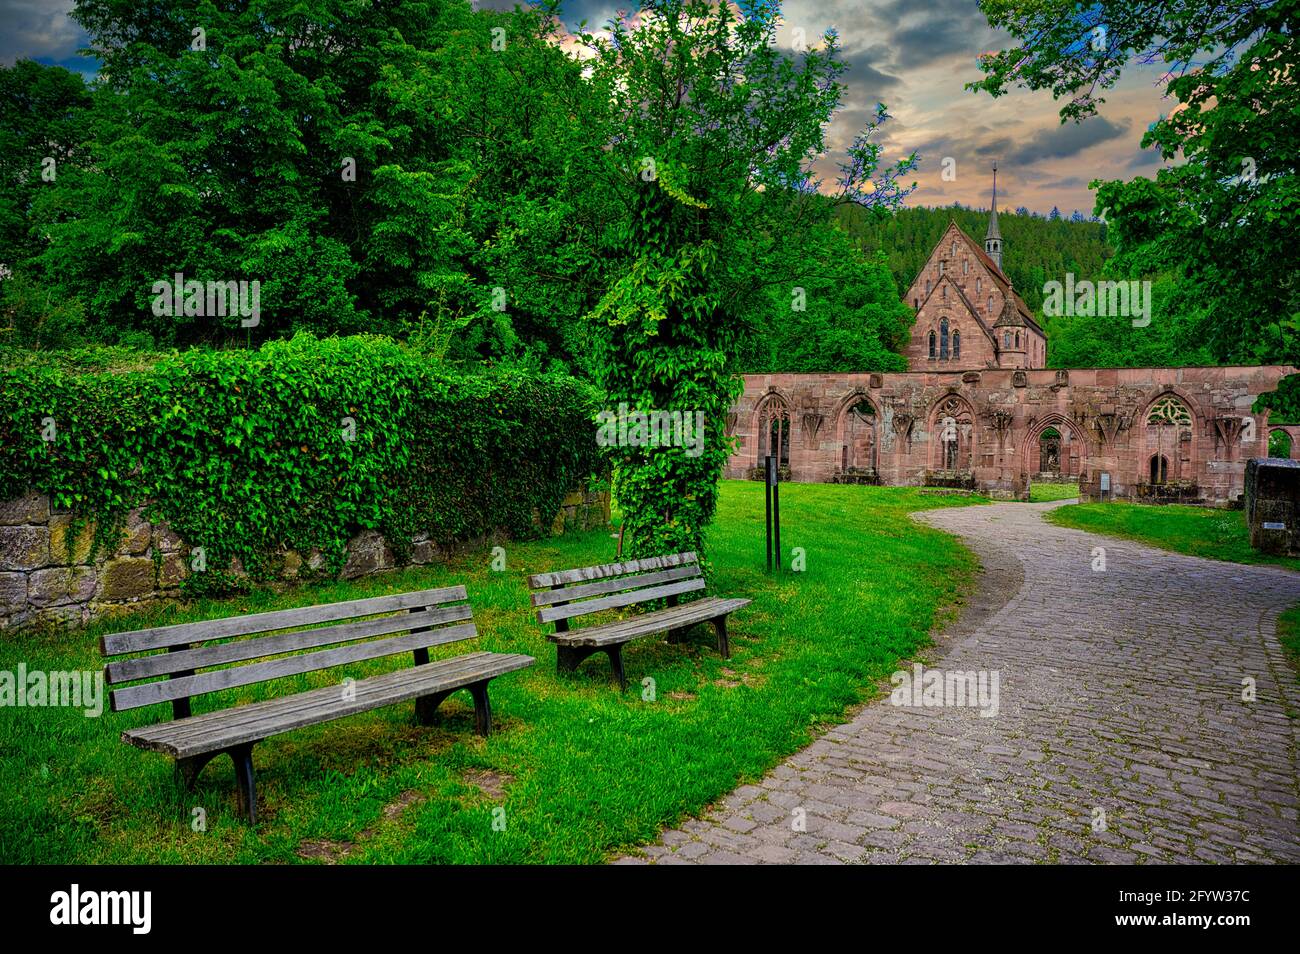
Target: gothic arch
x=952 y=434
x=1072 y=458
x=771 y=407
x=858 y=441
x=1167 y=428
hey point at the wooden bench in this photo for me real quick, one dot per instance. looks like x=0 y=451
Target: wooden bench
x=427 y=618
x=566 y=595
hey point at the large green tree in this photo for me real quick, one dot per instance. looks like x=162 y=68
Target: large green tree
x=1220 y=221
x=398 y=167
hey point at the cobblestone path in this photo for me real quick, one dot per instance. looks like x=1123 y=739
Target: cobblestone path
x=1121 y=734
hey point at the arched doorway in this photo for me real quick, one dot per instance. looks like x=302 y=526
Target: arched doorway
x=1169 y=441
x=1158 y=470
x=1279 y=443
x=858 y=428
x=952 y=440
x=1049 y=452
x=772 y=429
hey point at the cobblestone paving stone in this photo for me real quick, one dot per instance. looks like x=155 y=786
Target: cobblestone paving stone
x=1119 y=690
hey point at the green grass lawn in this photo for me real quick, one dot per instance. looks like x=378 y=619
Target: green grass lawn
x=1198 y=531
x=579 y=769
x=1043 y=493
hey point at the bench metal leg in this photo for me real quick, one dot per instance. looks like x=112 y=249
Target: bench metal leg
x=615 y=654
x=426 y=707
x=482 y=708
x=188 y=769
x=245 y=780
x=568 y=658
x=720 y=627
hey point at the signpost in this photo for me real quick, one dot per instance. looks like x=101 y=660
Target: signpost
x=772 y=502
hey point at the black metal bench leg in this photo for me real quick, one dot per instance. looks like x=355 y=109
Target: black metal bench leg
x=482 y=708
x=188 y=769
x=568 y=658
x=245 y=780
x=720 y=626
x=615 y=654
x=426 y=707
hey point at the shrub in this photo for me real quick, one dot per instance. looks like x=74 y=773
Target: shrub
x=297 y=446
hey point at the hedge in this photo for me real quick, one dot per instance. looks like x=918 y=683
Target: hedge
x=296 y=446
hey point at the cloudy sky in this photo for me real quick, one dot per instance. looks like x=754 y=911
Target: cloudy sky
x=913 y=55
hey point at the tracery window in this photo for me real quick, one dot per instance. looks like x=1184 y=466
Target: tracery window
x=1169 y=410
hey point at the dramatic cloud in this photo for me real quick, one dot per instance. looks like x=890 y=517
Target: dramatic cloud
x=915 y=58
x=41 y=30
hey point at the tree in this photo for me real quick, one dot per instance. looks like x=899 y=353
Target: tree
x=1054 y=215
x=707 y=146
x=1224 y=219
x=390 y=167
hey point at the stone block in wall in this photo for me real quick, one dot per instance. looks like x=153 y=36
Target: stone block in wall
x=60 y=528
x=24 y=548
x=172 y=570
x=13 y=592
x=60 y=586
x=367 y=552
x=32 y=508
x=138 y=535
x=126 y=578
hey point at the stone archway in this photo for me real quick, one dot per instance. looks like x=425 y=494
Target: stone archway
x=857 y=432
x=1070 y=447
x=952 y=436
x=772 y=429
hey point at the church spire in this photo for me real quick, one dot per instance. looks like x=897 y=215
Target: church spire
x=993 y=238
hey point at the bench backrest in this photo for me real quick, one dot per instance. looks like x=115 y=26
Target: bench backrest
x=427 y=617
x=570 y=593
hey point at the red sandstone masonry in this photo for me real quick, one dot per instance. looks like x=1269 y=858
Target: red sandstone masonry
x=998 y=415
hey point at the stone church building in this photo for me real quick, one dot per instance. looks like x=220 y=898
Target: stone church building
x=978 y=409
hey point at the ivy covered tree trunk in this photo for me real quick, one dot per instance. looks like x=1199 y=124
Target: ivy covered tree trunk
x=707 y=149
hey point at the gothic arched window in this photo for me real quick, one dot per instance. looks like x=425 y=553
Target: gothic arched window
x=990 y=305
x=965 y=266
x=941 y=265
x=944 y=292
x=1006 y=339
x=1170 y=410
x=927 y=286
x=954 y=249
x=956 y=344
x=932 y=344
x=1017 y=339
x=979 y=285
x=943 y=340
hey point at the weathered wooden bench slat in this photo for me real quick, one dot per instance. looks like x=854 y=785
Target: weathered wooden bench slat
x=161 y=637
x=161 y=664
x=550 y=614
x=688 y=614
x=587 y=573
x=196 y=728
x=164 y=691
x=326 y=704
x=584 y=590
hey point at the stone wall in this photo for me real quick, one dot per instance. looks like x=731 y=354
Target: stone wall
x=1273 y=505
x=40 y=584
x=984 y=429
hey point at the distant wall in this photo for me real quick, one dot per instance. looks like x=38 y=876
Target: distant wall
x=39 y=584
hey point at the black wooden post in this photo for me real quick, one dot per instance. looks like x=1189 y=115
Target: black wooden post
x=767 y=505
x=776 y=515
